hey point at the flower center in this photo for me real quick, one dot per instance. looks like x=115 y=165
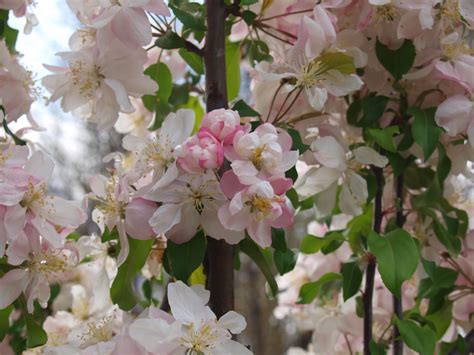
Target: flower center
x=87 y=78
x=257 y=156
x=201 y=195
x=99 y=331
x=202 y=339
x=158 y=152
x=260 y=206
x=49 y=264
x=109 y=205
x=453 y=50
x=450 y=10
x=386 y=13
x=36 y=194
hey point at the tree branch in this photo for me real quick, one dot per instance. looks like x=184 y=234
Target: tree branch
x=370 y=272
x=219 y=257
x=397 y=303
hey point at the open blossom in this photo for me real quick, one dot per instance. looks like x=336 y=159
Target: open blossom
x=16 y=85
x=200 y=152
x=127 y=19
x=456 y=114
x=116 y=207
x=156 y=154
x=192 y=328
x=41 y=265
x=223 y=124
x=262 y=154
x=29 y=210
x=335 y=165
x=98 y=82
x=255 y=208
x=189 y=202
x=309 y=68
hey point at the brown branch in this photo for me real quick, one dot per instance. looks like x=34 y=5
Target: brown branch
x=219 y=257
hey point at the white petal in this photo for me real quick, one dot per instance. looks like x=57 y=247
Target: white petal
x=12 y=285
x=233 y=321
x=329 y=152
x=316 y=180
x=366 y=155
x=165 y=217
x=186 y=306
x=154 y=334
x=178 y=126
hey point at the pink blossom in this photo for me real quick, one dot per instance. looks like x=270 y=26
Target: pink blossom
x=44 y=265
x=223 y=124
x=200 y=152
x=262 y=154
x=257 y=209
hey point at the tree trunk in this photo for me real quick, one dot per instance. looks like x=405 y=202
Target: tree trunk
x=219 y=258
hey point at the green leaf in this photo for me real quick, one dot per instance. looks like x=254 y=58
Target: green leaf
x=186 y=257
x=35 y=335
x=193 y=60
x=377 y=349
x=309 y=291
x=258 y=51
x=170 y=40
x=358 y=228
x=397 y=62
x=255 y=253
x=9 y=34
x=338 y=61
x=366 y=111
x=397 y=257
x=420 y=339
x=441 y=319
x=5 y=321
x=232 y=62
x=122 y=292
x=244 y=110
x=424 y=129
x=330 y=242
x=450 y=241
x=351 y=279
x=248 y=2
x=249 y=17
x=187 y=19
x=384 y=137
x=285 y=260
x=297 y=142
x=278 y=239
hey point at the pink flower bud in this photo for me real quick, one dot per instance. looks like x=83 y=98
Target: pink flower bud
x=200 y=152
x=222 y=124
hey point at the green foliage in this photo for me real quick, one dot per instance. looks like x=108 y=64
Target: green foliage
x=330 y=242
x=417 y=338
x=397 y=62
x=377 y=348
x=338 y=61
x=309 y=291
x=170 y=40
x=184 y=258
x=258 y=51
x=424 y=129
x=188 y=17
x=351 y=279
x=255 y=253
x=297 y=141
x=367 y=111
x=193 y=60
x=397 y=257
x=232 y=61
x=358 y=228
x=9 y=34
x=5 y=321
x=384 y=137
x=122 y=292
x=244 y=110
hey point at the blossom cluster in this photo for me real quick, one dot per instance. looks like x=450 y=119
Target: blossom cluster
x=105 y=64
x=34 y=227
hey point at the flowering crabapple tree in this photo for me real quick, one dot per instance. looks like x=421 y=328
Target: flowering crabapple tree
x=330 y=141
